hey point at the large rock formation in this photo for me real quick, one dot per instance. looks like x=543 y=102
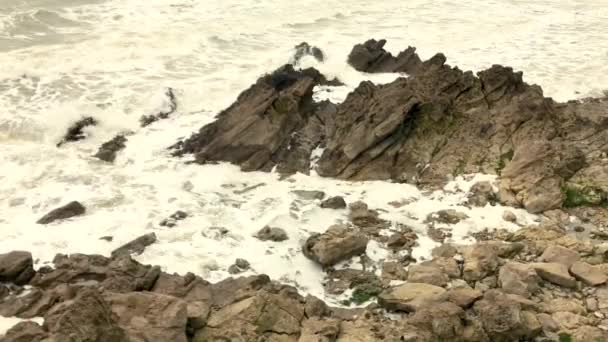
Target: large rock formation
x=439 y=122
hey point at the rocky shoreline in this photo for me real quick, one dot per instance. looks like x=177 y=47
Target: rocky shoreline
x=541 y=283
x=544 y=282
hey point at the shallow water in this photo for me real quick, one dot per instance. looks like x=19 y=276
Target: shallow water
x=62 y=59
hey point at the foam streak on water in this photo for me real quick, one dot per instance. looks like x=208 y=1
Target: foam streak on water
x=113 y=59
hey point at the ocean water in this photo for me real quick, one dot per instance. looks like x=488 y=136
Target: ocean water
x=113 y=59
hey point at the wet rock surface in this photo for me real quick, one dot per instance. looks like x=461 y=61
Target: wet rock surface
x=76 y=131
x=439 y=122
x=545 y=282
x=489 y=291
x=136 y=246
x=69 y=210
x=336 y=202
x=108 y=150
x=338 y=243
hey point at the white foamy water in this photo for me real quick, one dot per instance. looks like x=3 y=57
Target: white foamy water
x=112 y=59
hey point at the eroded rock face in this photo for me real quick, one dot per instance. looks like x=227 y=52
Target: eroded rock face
x=86 y=318
x=149 y=316
x=338 y=243
x=69 y=210
x=273 y=123
x=439 y=122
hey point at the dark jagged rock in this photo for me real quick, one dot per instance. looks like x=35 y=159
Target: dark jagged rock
x=108 y=150
x=75 y=132
x=136 y=246
x=67 y=211
x=273 y=123
x=171 y=107
x=371 y=57
x=304 y=49
x=439 y=123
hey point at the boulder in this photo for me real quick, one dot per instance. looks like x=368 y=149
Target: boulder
x=136 y=246
x=464 y=297
x=26 y=331
x=338 y=243
x=410 y=297
x=480 y=260
x=88 y=317
x=503 y=318
x=589 y=333
x=272 y=234
x=75 y=131
x=16 y=267
x=248 y=319
x=590 y=275
x=149 y=316
x=67 y=211
x=427 y=273
x=565 y=305
x=444 y=320
x=560 y=255
x=480 y=194
x=509 y=216
x=336 y=202
x=108 y=150
x=320 y=330
x=121 y=274
x=555 y=273
x=520 y=279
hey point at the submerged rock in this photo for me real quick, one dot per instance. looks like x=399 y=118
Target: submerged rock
x=338 y=243
x=69 y=210
x=136 y=246
x=172 y=220
x=108 y=150
x=171 y=107
x=75 y=132
x=272 y=234
x=304 y=49
x=447 y=216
